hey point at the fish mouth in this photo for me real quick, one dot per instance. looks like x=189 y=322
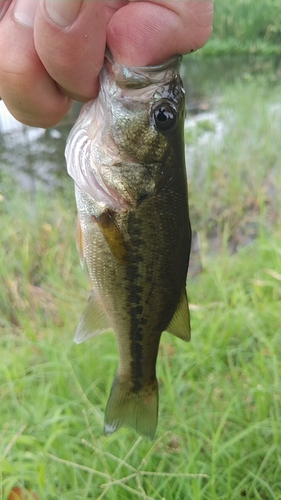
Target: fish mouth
x=139 y=77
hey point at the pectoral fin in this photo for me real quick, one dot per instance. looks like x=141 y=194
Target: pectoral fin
x=79 y=241
x=93 y=320
x=113 y=236
x=180 y=323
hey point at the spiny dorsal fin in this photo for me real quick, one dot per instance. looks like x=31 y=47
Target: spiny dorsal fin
x=113 y=236
x=92 y=322
x=180 y=323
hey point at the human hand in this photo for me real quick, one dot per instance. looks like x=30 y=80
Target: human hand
x=52 y=50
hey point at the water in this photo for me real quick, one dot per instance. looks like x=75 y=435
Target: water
x=34 y=157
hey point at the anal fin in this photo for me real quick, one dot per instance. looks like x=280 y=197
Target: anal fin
x=180 y=323
x=92 y=322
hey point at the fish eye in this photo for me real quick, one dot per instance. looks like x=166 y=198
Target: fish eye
x=164 y=117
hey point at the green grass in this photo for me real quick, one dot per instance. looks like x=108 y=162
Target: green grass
x=247 y=20
x=245 y=27
x=219 y=429
x=240 y=183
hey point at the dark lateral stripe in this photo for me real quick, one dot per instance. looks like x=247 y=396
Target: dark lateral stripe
x=135 y=296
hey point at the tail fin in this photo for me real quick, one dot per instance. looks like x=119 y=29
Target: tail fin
x=126 y=408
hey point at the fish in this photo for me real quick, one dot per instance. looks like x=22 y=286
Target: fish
x=126 y=156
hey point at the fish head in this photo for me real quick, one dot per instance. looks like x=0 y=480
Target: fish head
x=145 y=108
x=118 y=150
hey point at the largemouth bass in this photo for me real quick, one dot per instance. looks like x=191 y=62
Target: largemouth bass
x=126 y=156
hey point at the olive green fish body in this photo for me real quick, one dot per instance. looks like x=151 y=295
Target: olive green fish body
x=135 y=232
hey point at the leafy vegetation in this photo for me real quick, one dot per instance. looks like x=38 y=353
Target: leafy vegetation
x=219 y=429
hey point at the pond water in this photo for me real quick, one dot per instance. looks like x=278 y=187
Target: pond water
x=35 y=157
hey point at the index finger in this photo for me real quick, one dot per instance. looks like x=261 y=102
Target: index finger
x=72 y=50
x=27 y=90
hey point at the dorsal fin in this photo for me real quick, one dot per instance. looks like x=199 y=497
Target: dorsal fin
x=180 y=323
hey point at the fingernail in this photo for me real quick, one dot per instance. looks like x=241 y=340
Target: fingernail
x=63 y=12
x=24 y=12
x=4 y=4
